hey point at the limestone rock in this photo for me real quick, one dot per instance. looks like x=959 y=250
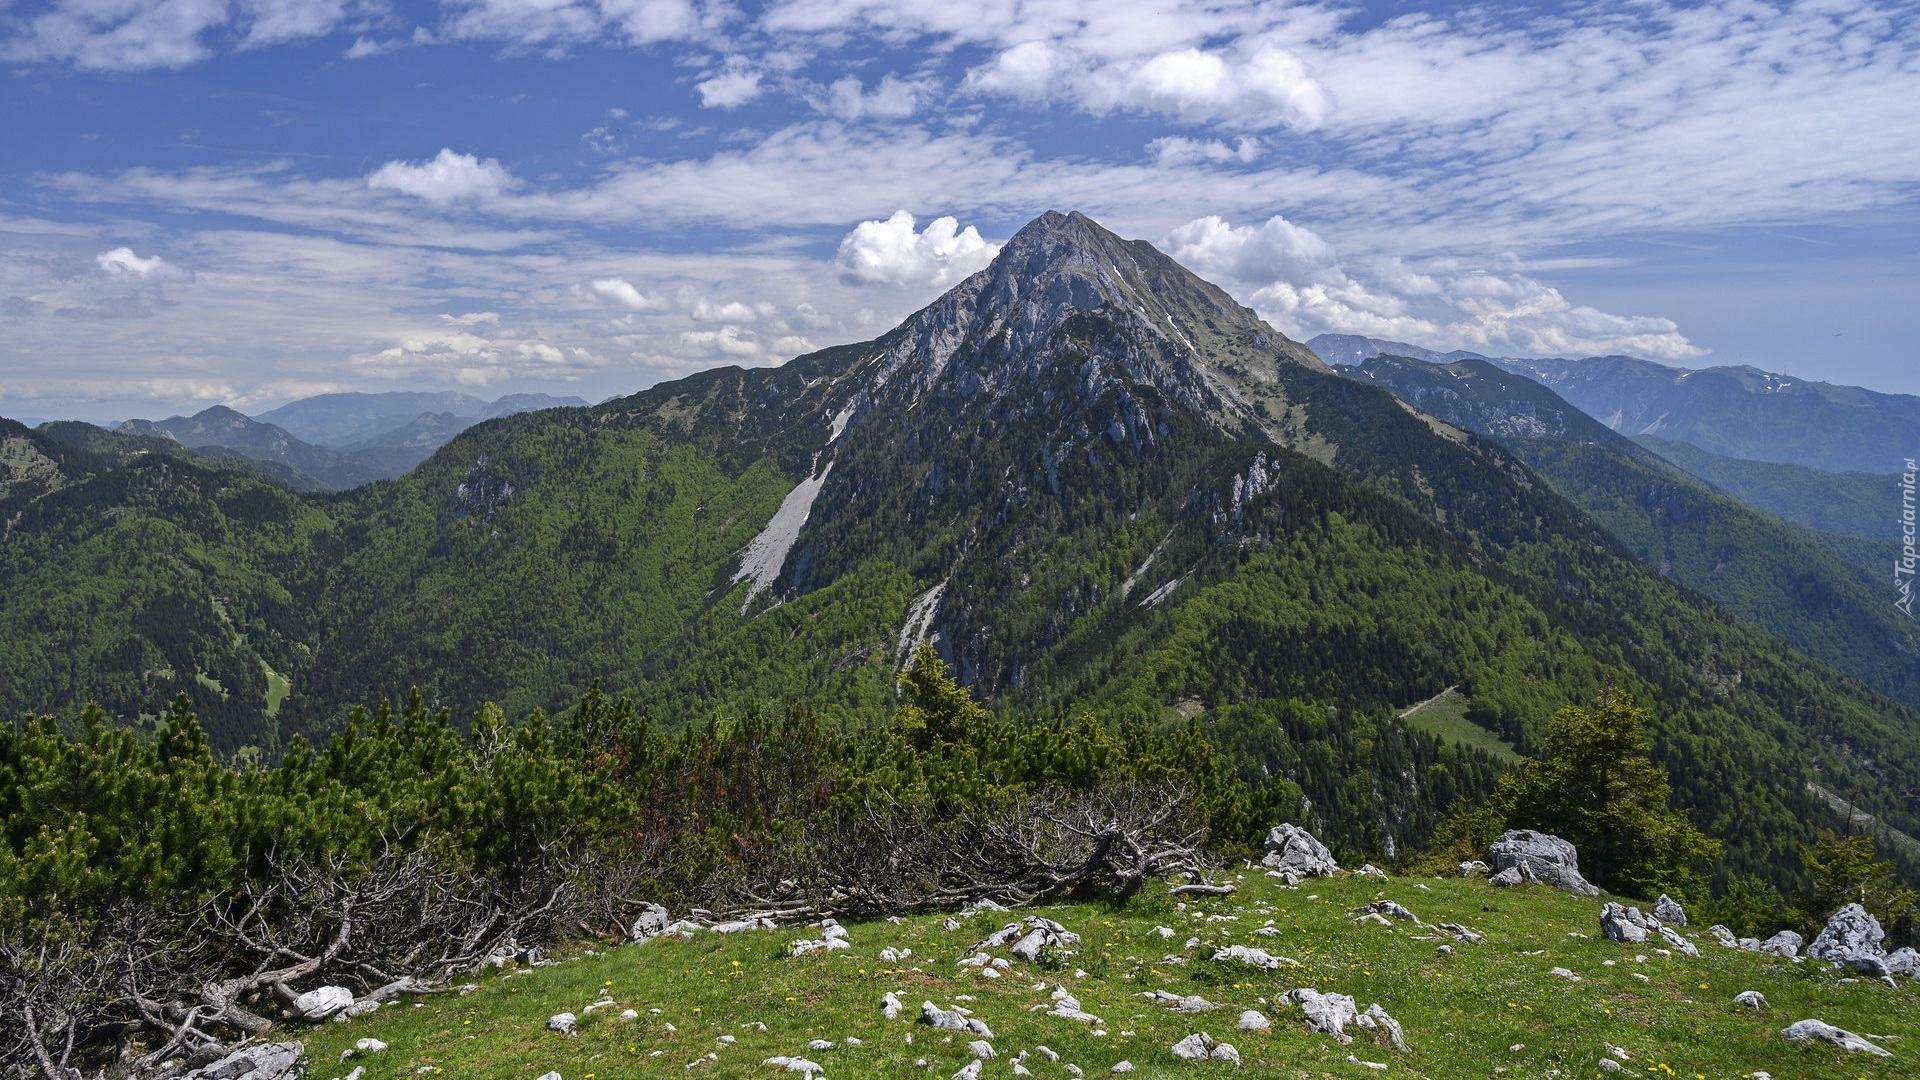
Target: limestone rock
x=1538 y=856
x=1852 y=939
x=322 y=1003
x=652 y=922
x=791 y=1064
x=1669 y=911
x=1292 y=849
x=1123 y=1066
x=1388 y=909
x=564 y=1023
x=1376 y=1018
x=1752 y=999
x=266 y=1061
x=891 y=1006
x=1328 y=1014
x=1253 y=1020
x=1029 y=939
x=1246 y=954
x=941 y=1019
x=1201 y=1046
x=1626 y=924
x=1672 y=937
x=980 y=1048
x=1904 y=962
x=1785 y=945
x=741 y=925
x=1809 y=1030
x=1723 y=935
x=1473 y=867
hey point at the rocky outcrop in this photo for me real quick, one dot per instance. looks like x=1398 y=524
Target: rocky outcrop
x=1851 y=939
x=1669 y=911
x=1628 y=925
x=653 y=922
x=1522 y=855
x=1292 y=849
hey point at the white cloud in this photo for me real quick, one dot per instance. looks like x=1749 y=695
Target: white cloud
x=122 y=262
x=1292 y=277
x=138 y=35
x=620 y=291
x=1176 y=150
x=735 y=85
x=446 y=179
x=1266 y=88
x=891 y=252
x=728 y=341
x=892 y=98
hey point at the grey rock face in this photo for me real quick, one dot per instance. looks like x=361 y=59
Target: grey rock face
x=940 y=1019
x=1328 y=1014
x=1723 y=935
x=1292 y=849
x=1679 y=944
x=1539 y=856
x=1508 y=878
x=1669 y=911
x=1904 y=962
x=1376 y=1018
x=1626 y=924
x=1811 y=1030
x=1785 y=944
x=1201 y=1046
x=322 y=1003
x=653 y=922
x=267 y=1061
x=1852 y=939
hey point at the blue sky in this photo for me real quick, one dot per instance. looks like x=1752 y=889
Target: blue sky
x=247 y=201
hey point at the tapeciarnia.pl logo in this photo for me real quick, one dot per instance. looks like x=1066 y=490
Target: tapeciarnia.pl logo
x=1903 y=567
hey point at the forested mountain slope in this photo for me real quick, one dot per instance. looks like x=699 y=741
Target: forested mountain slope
x=1089 y=477
x=1781 y=576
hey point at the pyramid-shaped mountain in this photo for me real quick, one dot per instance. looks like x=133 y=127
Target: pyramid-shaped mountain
x=1090 y=478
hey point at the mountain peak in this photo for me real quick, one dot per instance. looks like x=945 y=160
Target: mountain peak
x=1163 y=324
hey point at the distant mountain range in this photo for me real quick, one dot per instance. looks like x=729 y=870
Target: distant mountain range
x=1090 y=479
x=336 y=441
x=1736 y=412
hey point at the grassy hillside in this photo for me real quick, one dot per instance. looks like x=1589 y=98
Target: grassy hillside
x=1490 y=1006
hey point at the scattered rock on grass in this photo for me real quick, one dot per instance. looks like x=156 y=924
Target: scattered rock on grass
x=1752 y=999
x=1810 y=1030
x=1852 y=939
x=1254 y=1020
x=1328 y=1014
x=1201 y=1046
x=1246 y=954
x=564 y=1023
x=1628 y=925
x=652 y=922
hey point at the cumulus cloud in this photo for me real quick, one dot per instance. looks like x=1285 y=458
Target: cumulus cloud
x=618 y=290
x=122 y=262
x=891 y=252
x=1173 y=150
x=445 y=179
x=1293 y=278
x=728 y=341
x=1265 y=88
x=892 y=98
x=475 y=352
x=736 y=84
x=139 y=35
